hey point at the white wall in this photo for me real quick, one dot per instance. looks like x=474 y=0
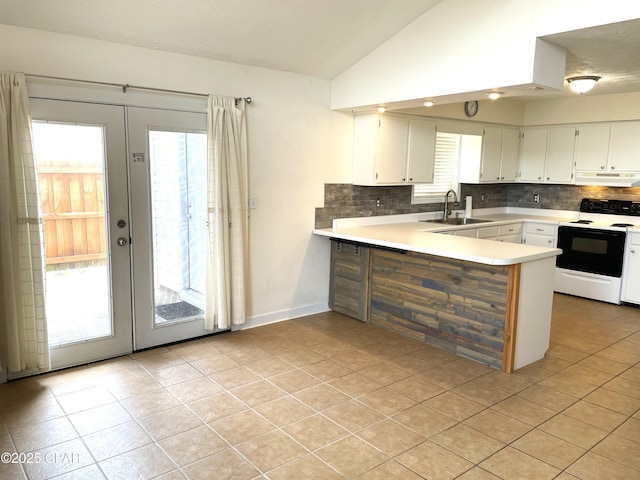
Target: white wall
x=296 y=144
x=467 y=46
x=596 y=108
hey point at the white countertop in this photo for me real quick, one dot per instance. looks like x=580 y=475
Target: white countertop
x=422 y=237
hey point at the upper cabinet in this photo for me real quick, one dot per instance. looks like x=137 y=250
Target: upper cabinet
x=498 y=159
x=393 y=150
x=610 y=147
x=546 y=154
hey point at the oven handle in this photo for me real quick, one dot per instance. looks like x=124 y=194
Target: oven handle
x=583 y=275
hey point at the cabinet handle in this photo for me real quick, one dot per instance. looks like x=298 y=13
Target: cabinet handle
x=539 y=229
x=548 y=178
x=602 y=167
x=539 y=178
x=633 y=251
x=404 y=179
x=411 y=179
x=613 y=167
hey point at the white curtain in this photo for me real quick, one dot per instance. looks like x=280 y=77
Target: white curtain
x=23 y=327
x=227 y=213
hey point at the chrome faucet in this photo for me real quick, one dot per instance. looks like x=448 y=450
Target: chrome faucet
x=447 y=210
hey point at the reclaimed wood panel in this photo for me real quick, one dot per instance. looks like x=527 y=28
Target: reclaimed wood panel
x=458 y=306
x=349 y=279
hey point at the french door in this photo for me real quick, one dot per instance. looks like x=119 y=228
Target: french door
x=123 y=192
x=169 y=224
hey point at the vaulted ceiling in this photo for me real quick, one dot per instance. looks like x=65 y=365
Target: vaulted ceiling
x=320 y=38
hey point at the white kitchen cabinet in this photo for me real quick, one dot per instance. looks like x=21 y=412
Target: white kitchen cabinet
x=393 y=150
x=608 y=147
x=540 y=234
x=467 y=232
x=592 y=147
x=498 y=160
x=560 y=155
x=624 y=147
x=488 y=233
x=631 y=274
x=547 y=155
x=510 y=233
x=533 y=154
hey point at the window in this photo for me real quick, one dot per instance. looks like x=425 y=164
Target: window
x=447 y=160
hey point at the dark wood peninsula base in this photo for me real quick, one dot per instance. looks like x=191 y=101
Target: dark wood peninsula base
x=466 y=308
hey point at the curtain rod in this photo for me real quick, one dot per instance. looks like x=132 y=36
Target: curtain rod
x=126 y=86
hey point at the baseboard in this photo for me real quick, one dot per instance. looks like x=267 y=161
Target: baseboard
x=282 y=315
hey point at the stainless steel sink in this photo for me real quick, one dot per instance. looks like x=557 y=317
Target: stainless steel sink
x=457 y=221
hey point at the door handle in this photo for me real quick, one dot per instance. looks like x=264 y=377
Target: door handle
x=122 y=241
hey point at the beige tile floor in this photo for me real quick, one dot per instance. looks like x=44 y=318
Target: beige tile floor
x=327 y=397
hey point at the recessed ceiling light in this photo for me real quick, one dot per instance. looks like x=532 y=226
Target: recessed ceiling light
x=429 y=103
x=381 y=109
x=494 y=95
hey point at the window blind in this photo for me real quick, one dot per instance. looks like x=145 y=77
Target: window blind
x=447 y=160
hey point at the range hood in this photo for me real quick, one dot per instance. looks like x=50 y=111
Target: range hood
x=608 y=179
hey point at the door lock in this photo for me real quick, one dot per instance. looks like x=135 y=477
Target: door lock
x=122 y=241
x=122 y=223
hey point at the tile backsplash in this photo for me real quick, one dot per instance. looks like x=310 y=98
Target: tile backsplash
x=346 y=201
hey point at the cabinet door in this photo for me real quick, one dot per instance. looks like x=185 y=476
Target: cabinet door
x=421 y=154
x=533 y=155
x=630 y=291
x=539 y=240
x=592 y=147
x=513 y=238
x=349 y=279
x=559 y=165
x=509 y=154
x=392 y=149
x=466 y=232
x=488 y=233
x=624 y=153
x=491 y=151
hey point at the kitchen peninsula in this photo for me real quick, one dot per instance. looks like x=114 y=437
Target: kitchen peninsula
x=485 y=300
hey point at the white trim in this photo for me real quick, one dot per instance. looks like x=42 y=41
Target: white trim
x=282 y=315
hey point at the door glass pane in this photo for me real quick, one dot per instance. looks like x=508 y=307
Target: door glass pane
x=179 y=224
x=70 y=161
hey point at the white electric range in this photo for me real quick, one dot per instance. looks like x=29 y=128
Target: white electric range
x=592 y=261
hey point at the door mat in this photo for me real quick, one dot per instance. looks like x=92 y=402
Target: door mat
x=174 y=311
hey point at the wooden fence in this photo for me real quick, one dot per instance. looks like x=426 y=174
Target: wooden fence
x=72 y=200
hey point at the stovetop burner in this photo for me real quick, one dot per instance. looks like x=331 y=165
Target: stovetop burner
x=622 y=224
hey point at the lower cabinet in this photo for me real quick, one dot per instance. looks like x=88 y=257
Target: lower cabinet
x=349 y=279
x=511 y=233
x=631 y=275
x=540 y=234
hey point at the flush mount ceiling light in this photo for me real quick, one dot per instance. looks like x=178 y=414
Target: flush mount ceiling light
x=495 y=95
x=381 y=109
x=583 y=83
x=429 y=103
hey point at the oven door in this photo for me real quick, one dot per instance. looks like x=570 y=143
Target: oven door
x=591 y=250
